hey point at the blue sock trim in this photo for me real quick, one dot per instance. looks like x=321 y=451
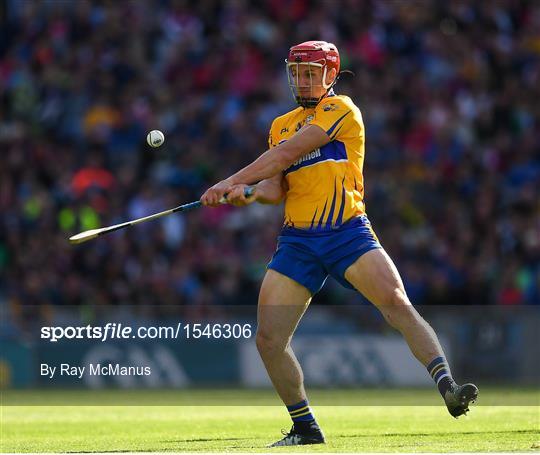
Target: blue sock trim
x=307 y=418
x=435 y=362
x=301 y=412
x=441 y=373
x=293 y=407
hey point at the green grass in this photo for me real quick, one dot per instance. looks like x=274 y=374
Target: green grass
x=235 y=428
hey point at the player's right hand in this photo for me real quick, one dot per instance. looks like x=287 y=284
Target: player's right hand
x=236 y=196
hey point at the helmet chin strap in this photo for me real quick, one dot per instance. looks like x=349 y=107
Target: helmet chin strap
x=314 y=101
x=324 y=84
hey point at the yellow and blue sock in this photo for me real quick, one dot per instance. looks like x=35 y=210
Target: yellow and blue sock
x=301 y=415
x=440 y=372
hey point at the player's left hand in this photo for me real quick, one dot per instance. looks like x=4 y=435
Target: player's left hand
x=237 y=195
x=212 y=196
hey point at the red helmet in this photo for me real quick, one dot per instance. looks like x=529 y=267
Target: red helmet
x=315 y=52
x=319 y=53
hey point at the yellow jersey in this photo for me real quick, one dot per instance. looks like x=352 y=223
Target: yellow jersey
x=325 y=187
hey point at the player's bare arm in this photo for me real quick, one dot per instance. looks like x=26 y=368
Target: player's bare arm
x=270 y=163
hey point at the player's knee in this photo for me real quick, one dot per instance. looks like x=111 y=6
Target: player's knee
x=394 y=298
x=397 y=309
x=398 y=297
x=269 y=344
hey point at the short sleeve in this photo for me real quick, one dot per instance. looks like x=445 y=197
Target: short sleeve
x=272 y=142
x=334 y=116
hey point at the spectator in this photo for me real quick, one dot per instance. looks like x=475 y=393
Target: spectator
x=448 y=91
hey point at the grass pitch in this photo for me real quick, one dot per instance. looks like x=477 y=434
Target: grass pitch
x=380 y=427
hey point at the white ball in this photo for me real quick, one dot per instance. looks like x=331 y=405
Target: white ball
x=155 y=138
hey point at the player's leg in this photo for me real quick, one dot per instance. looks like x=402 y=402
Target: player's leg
x=282 y=302
x=376 y=277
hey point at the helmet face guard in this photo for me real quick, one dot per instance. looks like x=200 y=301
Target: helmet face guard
x=298 y=91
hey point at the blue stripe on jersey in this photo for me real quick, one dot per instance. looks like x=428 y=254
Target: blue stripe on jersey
x=334 y=150
x=336 y=133
x=339 y=219
x=329 y=132
x=313 y=219
x=331 y=212
x=319 y=226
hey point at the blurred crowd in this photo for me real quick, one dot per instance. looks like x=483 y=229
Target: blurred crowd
x=449 y=93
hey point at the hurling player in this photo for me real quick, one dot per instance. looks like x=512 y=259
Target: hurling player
x=315 y=163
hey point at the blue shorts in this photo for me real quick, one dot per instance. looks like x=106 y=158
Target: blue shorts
x=309 y=257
